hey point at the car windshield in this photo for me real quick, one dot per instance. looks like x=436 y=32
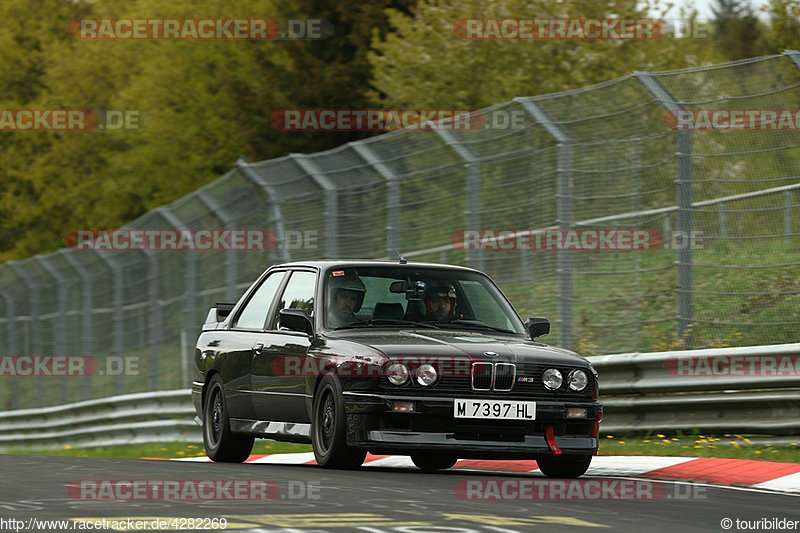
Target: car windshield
x=381 y=296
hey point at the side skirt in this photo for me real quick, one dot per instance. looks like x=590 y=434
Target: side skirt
x=281 y=431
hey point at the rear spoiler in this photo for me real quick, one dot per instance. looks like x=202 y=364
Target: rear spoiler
x=217 y=314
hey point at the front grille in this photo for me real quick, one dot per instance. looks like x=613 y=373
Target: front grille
x=492 y=376
x=481 y=375
x=504 y=376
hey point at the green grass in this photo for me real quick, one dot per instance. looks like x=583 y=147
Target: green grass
x=636 y=297
x=165 y=450
x=738 y=447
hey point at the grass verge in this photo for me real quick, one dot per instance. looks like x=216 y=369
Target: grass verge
x=732 y=447
x=737 y=447
x=165 y=450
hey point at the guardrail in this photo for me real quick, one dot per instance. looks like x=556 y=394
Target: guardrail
x=161 y=416
x=754 y=389
x=703 y=390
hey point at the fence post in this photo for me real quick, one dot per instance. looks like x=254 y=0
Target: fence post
x=276 y=217
x=11 y=343
x=787 y=218
x=231 y=255
x=61 y=324
x=684 y=180
x=154 y=323
x=723 y=222
x=393 y=230
x=86 y=314
x=190 y=330
x=118 y=329
x=331 y=202
x=565 y=267
x=35 y=343
x=473 y=189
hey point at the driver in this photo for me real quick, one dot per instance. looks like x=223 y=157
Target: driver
x=440 y=301
x=345 y=296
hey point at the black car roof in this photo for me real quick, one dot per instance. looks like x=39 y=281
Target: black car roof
x=326 y=264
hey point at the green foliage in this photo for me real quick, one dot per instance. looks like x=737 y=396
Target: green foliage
x=422 y=63
x=739 y=32
x=784 y=18
x=202 y=104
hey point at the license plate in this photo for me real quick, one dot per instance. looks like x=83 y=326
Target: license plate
x=494 y=409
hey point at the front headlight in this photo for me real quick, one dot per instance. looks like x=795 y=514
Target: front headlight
x=397 y=373
x=578 y=380
x=427 y=375
x=552 y=378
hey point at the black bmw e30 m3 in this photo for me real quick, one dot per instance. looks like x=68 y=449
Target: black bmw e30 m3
x=425 y=360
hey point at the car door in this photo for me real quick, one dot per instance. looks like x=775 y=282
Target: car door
x=279 y=365
x=247 y=332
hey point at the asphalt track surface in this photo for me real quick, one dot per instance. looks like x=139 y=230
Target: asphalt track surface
x=369 y=500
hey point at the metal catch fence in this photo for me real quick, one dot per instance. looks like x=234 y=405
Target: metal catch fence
x=606 y=157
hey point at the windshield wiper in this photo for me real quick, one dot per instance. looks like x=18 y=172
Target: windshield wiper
x=477 y=324
x=385 y=322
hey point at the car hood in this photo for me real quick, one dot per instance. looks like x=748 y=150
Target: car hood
x=467 y=344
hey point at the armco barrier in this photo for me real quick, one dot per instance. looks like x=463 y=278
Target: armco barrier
x=644 y=392
x=132 y=418
x=641 y=393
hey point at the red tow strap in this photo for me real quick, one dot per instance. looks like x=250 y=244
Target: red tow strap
x=551 y=439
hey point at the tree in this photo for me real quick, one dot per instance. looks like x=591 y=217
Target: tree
x=784 y=18
x=421 y=64
x=202 y=104
x=739 y=32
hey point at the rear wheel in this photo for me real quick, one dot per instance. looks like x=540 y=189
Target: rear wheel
x=221 y=444
x=564 y=466
x=430 y=461
x=329 y=428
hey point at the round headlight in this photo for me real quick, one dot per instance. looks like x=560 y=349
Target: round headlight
x=578 y=380
x=427 y=375
x=397 y=373
x=552 y=378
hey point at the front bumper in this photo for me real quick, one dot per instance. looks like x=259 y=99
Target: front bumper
x=371 y=424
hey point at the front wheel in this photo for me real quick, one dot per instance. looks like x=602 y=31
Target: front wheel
x=328 y=428
x=564 y=466
x=433 y=461
x=221 y=444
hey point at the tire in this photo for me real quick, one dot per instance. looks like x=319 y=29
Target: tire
x=329 y=429
x=221 y=444
x=430 y=461
x=564 y=466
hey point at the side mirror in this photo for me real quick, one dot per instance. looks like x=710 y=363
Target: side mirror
x=537 y=327
x=223 y=310
x=297 y=320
